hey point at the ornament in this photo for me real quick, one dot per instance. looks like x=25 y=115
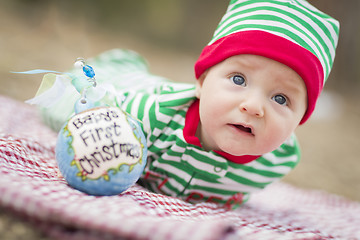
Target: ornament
x=99 y=150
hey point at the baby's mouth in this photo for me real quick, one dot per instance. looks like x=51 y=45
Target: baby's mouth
x=243 y=128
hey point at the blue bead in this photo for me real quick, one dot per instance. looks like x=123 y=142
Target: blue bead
x=89 y=71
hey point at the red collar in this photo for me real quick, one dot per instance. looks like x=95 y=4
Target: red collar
x=191 y=123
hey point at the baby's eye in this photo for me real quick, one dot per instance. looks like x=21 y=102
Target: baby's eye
x=238 y=80
x=280 y=99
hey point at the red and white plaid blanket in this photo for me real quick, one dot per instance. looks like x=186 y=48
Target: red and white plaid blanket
x=30 y=185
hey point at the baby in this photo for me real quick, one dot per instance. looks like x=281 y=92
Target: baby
x=231 y=133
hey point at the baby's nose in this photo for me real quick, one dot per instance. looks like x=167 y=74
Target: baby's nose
x=252 y=106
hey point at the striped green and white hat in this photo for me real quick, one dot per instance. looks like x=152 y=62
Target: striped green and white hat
x=292 y=32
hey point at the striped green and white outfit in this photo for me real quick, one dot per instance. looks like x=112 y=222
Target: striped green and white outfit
x=181 y=169
x=175 y=166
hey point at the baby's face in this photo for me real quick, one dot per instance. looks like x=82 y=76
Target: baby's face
x=249 y=105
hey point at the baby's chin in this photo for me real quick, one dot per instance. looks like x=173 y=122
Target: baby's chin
x=245 y=152
x=250 y=149
x=240 y=153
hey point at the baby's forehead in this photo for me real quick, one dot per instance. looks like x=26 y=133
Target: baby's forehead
x=259 y=62
x=280 y=74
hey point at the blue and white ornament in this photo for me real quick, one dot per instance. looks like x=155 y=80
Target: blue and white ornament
x=100 y=150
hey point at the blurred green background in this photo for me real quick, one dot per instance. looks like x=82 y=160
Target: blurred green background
x=170 y=34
